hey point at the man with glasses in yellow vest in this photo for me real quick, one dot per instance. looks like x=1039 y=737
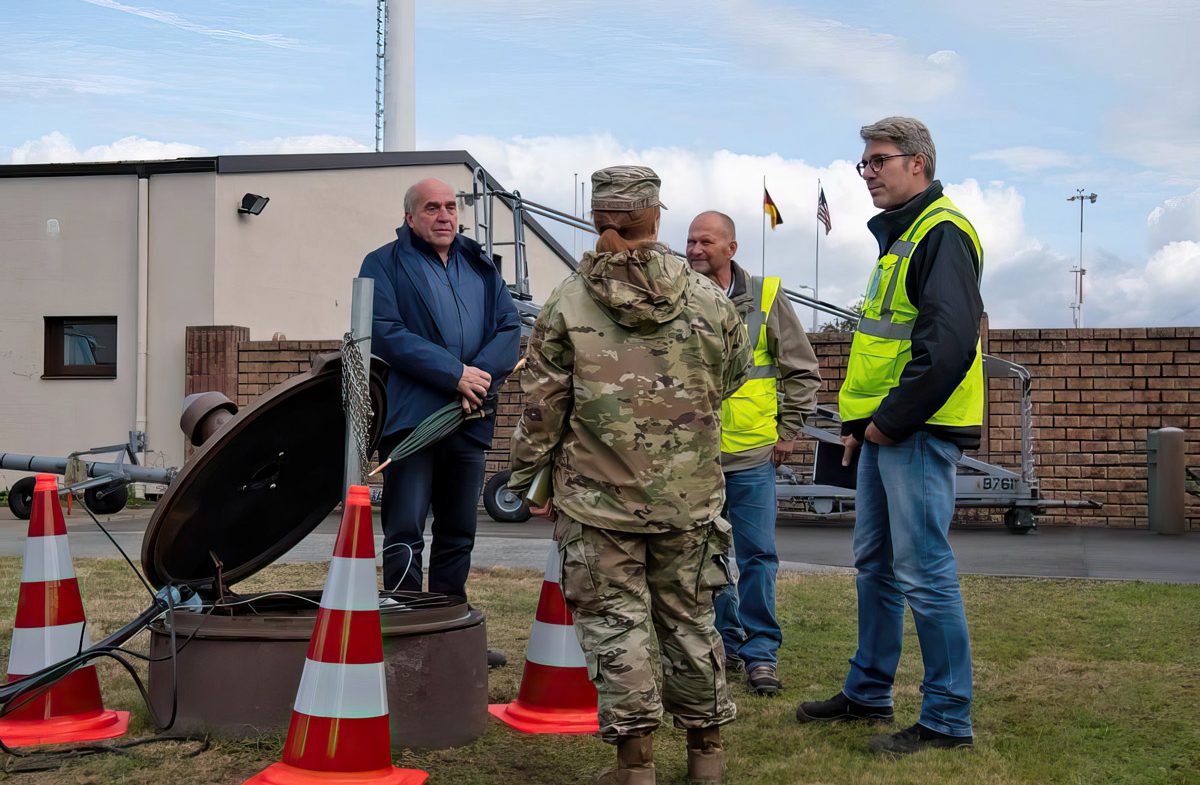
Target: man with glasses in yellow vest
x=911 y=402
x=759 y=427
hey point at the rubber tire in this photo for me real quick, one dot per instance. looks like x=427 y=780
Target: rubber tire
x=20 y=497
x=499 y=501
x=113 y=501
x=1019 y=520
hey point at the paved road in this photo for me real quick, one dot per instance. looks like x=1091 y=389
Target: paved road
x=1060 y=552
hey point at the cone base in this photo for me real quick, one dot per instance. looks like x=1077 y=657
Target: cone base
x=530 y=720
x=92 y=726
x=283 y=774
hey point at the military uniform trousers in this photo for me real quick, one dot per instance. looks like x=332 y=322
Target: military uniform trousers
x=617 y=585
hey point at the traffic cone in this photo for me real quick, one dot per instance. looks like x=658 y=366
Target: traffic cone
x=556 y=695
x=50 y=627
x=339 y=733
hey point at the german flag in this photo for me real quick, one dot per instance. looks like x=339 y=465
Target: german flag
x=771 y=210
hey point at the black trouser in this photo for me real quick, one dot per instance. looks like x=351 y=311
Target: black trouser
x=446 y=476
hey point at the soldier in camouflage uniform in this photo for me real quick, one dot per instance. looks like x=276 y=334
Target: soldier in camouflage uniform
x=626 y=370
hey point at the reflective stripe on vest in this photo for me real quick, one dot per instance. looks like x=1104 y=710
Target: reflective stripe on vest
x=882 y=343
x=748 y=417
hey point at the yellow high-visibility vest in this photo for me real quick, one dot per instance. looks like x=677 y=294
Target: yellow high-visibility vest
x=749 y=416
x=882 y=343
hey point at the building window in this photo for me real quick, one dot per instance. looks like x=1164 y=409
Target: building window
x=81 y=347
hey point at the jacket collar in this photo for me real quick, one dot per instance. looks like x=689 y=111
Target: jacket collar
x=890 y=224
x=408 y=247
x=409 y=244
x=741 y=279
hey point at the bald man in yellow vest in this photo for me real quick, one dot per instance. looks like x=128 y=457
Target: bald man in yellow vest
x=759 y=427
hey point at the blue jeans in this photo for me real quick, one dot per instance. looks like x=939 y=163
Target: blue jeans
x=746 y=612
x=904 y=502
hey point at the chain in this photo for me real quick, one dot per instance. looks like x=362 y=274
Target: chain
x=356 y=399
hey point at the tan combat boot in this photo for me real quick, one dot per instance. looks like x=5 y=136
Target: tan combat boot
x=635 y=763
x=706 y=756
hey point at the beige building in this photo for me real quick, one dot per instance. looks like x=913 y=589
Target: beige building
x=106 y=264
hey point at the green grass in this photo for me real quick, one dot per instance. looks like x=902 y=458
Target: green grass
x=1076 y=682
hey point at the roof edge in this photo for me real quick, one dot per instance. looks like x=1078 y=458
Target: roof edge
x=283 y=162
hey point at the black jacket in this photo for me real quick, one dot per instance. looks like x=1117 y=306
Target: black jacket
x=943 y=283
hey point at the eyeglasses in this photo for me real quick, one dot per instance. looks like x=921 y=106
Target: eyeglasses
x=876 y=163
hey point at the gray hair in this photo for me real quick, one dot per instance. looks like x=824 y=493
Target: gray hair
x=907 y=133
x=410 y=199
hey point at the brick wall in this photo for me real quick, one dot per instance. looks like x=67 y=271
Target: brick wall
x=212 y=359
x=1096 y=393
x=264 y=364
x=1096 y=396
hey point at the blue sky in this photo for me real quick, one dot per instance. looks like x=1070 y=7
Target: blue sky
x=1026 y=101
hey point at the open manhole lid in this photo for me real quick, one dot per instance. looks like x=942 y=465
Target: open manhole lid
x=260 y=484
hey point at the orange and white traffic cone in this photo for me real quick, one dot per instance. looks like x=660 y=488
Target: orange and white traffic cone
x=556 y=695
x=50 y=627
x=339 y=733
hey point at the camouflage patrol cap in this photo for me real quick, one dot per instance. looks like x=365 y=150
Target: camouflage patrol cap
x=625 y=188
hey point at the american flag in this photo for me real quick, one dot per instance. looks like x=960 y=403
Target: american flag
x=823 y=211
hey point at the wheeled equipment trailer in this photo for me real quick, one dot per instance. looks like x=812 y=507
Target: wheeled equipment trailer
x=106 y=487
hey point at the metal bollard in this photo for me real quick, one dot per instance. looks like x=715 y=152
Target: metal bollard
x=1165 y=479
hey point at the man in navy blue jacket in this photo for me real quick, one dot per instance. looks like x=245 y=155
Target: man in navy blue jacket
x=447 y=326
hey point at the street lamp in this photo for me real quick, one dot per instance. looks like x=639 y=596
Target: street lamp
x=1078 y=271
x=814 y=310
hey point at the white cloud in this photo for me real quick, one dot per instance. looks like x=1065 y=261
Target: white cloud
x=543 y=168
x=1028 y=158
x=782 y=37
x=1025 y=283
x=57 y=148
x=1174 y=220
x=1154 y=295
x=175 y=20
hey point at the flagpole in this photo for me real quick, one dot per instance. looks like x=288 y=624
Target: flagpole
x=764 y=231
x=817 y=271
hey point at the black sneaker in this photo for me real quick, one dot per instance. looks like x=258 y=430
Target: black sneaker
x=734 y=664
x=918 y=738
x=496 y=659
x=839 y=708
x=764 y=680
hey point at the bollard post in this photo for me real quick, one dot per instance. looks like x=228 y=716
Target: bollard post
x=362 y=309
x=1165 y=492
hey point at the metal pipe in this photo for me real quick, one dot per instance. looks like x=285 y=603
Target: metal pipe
x=142 y=379
x=362 y=309
x=820 y=305
x=131 y=472
x=543 y=210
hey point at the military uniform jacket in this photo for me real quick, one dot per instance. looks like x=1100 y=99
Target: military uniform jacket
x=626 y=369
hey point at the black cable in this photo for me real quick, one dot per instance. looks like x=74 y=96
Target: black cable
x=48 y=761
x=113 y=540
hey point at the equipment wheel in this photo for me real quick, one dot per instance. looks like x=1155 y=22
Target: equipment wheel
x=502 y=504
x=20 y=497
x=1020 y=520
x=108 y=500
